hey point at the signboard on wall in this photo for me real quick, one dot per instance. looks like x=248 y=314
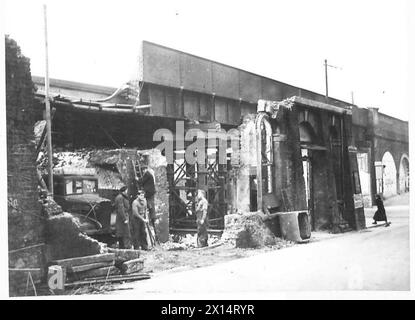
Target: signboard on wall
x=358 y=200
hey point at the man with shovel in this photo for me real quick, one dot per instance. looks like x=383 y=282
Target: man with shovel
x=139 y=222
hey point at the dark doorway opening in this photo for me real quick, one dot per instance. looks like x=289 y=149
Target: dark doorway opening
x=253 y=194
x=308 y=182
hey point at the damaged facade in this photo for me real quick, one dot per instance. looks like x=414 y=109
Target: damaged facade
x=307 y=163
x=303 y=148
x=297 y=154
x=26 y=222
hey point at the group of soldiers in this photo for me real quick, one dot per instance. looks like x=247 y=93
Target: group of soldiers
x=135 y=220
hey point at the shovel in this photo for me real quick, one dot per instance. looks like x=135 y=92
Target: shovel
x=150 y=235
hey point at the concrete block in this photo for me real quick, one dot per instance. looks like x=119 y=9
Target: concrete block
x=132 y=266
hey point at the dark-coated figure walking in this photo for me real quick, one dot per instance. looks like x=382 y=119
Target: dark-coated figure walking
x=380 y=214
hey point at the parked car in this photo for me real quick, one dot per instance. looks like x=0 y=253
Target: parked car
x=76 y=191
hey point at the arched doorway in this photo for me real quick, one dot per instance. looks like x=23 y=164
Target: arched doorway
x=264 y=177
x=404 y=174
x=389 y=175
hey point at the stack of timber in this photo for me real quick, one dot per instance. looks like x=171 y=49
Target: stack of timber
x=115 y=266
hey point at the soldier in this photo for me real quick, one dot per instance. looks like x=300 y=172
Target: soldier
x=148 y=184
x=201 y=219
x=122 y=207
x=139 y=222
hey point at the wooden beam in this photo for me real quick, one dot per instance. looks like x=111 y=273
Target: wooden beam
x=100 y=272
x=119 y=279
x=122 y=255
x=90 y=266
x=106 y=257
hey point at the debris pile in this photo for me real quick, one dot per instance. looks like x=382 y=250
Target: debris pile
x=50 y=207
x=179 y=242
x=65 y=239
x=247 y=231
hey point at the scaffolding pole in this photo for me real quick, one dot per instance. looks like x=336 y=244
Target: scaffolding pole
x=47 y=104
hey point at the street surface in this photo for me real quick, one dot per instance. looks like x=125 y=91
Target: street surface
x=373 y=259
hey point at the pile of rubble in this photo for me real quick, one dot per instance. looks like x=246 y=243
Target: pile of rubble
x=187 y=241
x=65 y=240
x=247 y=231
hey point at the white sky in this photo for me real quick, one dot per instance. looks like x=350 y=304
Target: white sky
x=96 y=41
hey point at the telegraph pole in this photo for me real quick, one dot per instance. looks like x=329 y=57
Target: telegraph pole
x=327 y=80
x=47 y=103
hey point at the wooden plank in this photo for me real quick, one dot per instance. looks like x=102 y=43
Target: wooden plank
x=85 y=260
x=90 y=266
x=124 y=276
x=118 y=279
x=100 y=272
x=132 y=266
x=122 y=255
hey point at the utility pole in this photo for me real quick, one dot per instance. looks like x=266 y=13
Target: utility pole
x=47 y=103
x=327 y=79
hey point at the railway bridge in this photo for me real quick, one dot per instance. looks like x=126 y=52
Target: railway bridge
x=325 y=152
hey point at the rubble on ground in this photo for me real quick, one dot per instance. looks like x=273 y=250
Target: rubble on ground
x=65 y=239
x=247 y=231
x=50 y=207
x=179 y=242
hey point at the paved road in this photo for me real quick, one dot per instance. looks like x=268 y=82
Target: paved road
x=372 y=259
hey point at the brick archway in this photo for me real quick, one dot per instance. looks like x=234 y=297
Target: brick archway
x=389 y=177
x=403 y=174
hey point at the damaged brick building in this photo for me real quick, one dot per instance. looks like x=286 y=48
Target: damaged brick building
x=298 y=151
x=302 y=141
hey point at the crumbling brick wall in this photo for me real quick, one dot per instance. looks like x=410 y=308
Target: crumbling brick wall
x=25 y=220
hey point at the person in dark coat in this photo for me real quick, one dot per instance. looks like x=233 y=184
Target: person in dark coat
x=122 y=227
x=139 y=222
x=380 y=214
x=148 y=184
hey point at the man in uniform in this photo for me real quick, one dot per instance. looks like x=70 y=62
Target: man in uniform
x=122 y=227
x=201 y=219
x=148 y=185
x=139 y=222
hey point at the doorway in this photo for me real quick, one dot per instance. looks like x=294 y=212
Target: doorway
x=308 y=183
